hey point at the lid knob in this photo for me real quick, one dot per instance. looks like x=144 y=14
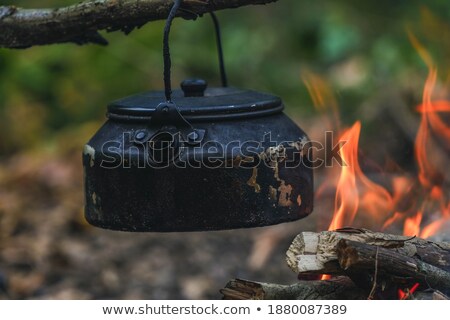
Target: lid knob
x=194 y=87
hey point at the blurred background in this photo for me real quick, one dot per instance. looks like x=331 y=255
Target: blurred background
x=53 y=99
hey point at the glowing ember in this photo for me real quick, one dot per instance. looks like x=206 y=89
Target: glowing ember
x=402 y=295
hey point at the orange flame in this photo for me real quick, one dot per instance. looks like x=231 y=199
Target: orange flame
x=432 y=228
x=427 y=171
x=430 y=175
x=414 y=199
x=354 y=189
x=412 y=225
x=322 y=97
x=431 y=126
x=347 y=197
x=435 y=106
x=397 y=216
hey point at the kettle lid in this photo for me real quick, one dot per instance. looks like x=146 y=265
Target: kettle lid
x=197 y=102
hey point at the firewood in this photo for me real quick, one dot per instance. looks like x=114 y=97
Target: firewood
x=393 y=266
x=338 y=288
x=373 y=260
x=365 y=265
x=316 y=253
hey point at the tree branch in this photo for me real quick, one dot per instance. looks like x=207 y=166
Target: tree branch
x=80 y=23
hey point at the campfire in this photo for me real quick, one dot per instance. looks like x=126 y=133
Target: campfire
x=420 y=202
x=350 y=262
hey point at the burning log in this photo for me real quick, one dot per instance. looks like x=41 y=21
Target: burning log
x=358 y=258
x=372 y=259
x=316 y=253
x=337 y=288
x=363 y=265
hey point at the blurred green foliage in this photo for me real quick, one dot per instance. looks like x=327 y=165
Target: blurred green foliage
x=360 y=47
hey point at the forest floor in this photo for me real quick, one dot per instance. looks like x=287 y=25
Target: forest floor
x=48 y=251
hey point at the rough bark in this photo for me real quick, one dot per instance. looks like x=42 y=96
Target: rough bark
x=339 y=288
x=80 y=23
x=376 y=262
x=316 y=253
x=366 y=265
x=360 y=260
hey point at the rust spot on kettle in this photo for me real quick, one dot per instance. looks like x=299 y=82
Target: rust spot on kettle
x=274 y=155
x=252 y=181
x=94 y=198
x=97 y=206
x=235 y=163
x=88 y=150
x=284 y=199
x=300 y=145
x=273 y=193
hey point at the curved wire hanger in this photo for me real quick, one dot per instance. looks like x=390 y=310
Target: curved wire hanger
x=166 y=50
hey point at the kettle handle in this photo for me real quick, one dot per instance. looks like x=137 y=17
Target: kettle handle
x=223 y=74
x=166 y=50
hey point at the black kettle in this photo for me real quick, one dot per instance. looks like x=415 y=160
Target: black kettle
x=197 y=159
